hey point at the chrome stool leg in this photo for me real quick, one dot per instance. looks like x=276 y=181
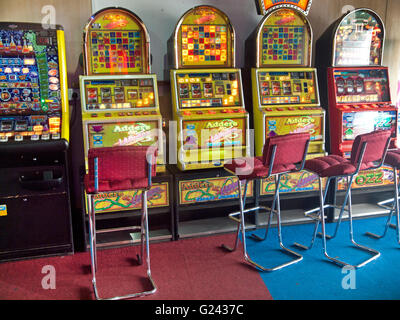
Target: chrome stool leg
x=375 y=254
x=242 y=203
x=321 y=210
x=144 y=242
x=298 y=257
x=273 y=207
x=392 y=210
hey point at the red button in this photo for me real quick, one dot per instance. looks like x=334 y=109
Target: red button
x=211 y=111
x=186 y=113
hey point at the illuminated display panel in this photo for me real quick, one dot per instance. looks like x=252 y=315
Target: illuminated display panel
x=119 y=94
x=30 y=88
x=313 y=124
x=362 y=85
x=114 y=134
x=205 y=38
x=214 y=133
x=285 y=39
x=197 y=89
x=359 y=40
x=116 y=43
x=356 y=123
x=287 y=87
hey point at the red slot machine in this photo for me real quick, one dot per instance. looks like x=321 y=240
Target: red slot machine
x=358 y=91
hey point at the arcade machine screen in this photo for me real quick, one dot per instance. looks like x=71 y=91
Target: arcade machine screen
x=359 y=40
x=204 y=40
x=115 y=44
x=31 y=94
x=361 y=89
x=285 y=39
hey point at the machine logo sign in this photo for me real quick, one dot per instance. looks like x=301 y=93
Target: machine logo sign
x=227 y=123
x=139 y=127
x=3 y=210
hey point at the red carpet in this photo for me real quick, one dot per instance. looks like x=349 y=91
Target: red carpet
x=188 y=269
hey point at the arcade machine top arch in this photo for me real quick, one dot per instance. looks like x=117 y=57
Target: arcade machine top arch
x=284 y=37
x=116 y=41
x=204 y=37
x=265 y=6
x=358 y=39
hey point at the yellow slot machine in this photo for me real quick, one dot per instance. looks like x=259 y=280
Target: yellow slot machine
x=35 y=210
x=285 y=93
x=209 y=111
x=120 y=107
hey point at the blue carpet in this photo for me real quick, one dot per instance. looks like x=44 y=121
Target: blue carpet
x=316 y=278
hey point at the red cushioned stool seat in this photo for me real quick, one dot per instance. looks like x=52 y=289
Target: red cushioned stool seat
x=281 y=154
x=368 y=152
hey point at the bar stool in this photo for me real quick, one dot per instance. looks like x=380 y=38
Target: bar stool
x=281 y=155
x=392 y=160
x=117 y=169
x=368 y=152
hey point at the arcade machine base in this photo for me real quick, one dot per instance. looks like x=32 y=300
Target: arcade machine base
x=34 y=206
x=114 y=228
x=203 y=201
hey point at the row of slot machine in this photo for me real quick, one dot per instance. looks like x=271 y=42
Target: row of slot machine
x=120 y=103
x=208 y=96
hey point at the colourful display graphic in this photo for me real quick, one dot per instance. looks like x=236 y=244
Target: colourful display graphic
x=287 y=87
x=302 y=181
x=302 y=5
x=211 y=189
x=214 y=133
x=359 y=40
x=285 y=39
x=369 y=178
x=356 y=123
x=103 y=94
x=312 y=124
x=122 y=134
x=205 y=38
x=30 y=92
x=209 y=89
x=115 y=43
x=362 y=85
x=157 y=196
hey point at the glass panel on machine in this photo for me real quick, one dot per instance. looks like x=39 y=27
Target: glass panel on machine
x=287 y=87
x=359 y=40
x=205 y=39
x=115 y=43
x=284 y=39
x=30 y=93
x=119 y=94
x=362 y=85
x=209 y=89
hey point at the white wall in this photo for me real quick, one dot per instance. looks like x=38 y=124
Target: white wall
x=161 y=17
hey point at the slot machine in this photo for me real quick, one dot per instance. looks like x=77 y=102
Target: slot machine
x=357 y=86
x=35 y=212
x=120 y=107
x=206 y=90
x=285 y=94
x=209 y=111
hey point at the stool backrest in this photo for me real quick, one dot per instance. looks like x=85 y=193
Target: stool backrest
x=120 y=163
x=370 y=147
x=286 y=149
